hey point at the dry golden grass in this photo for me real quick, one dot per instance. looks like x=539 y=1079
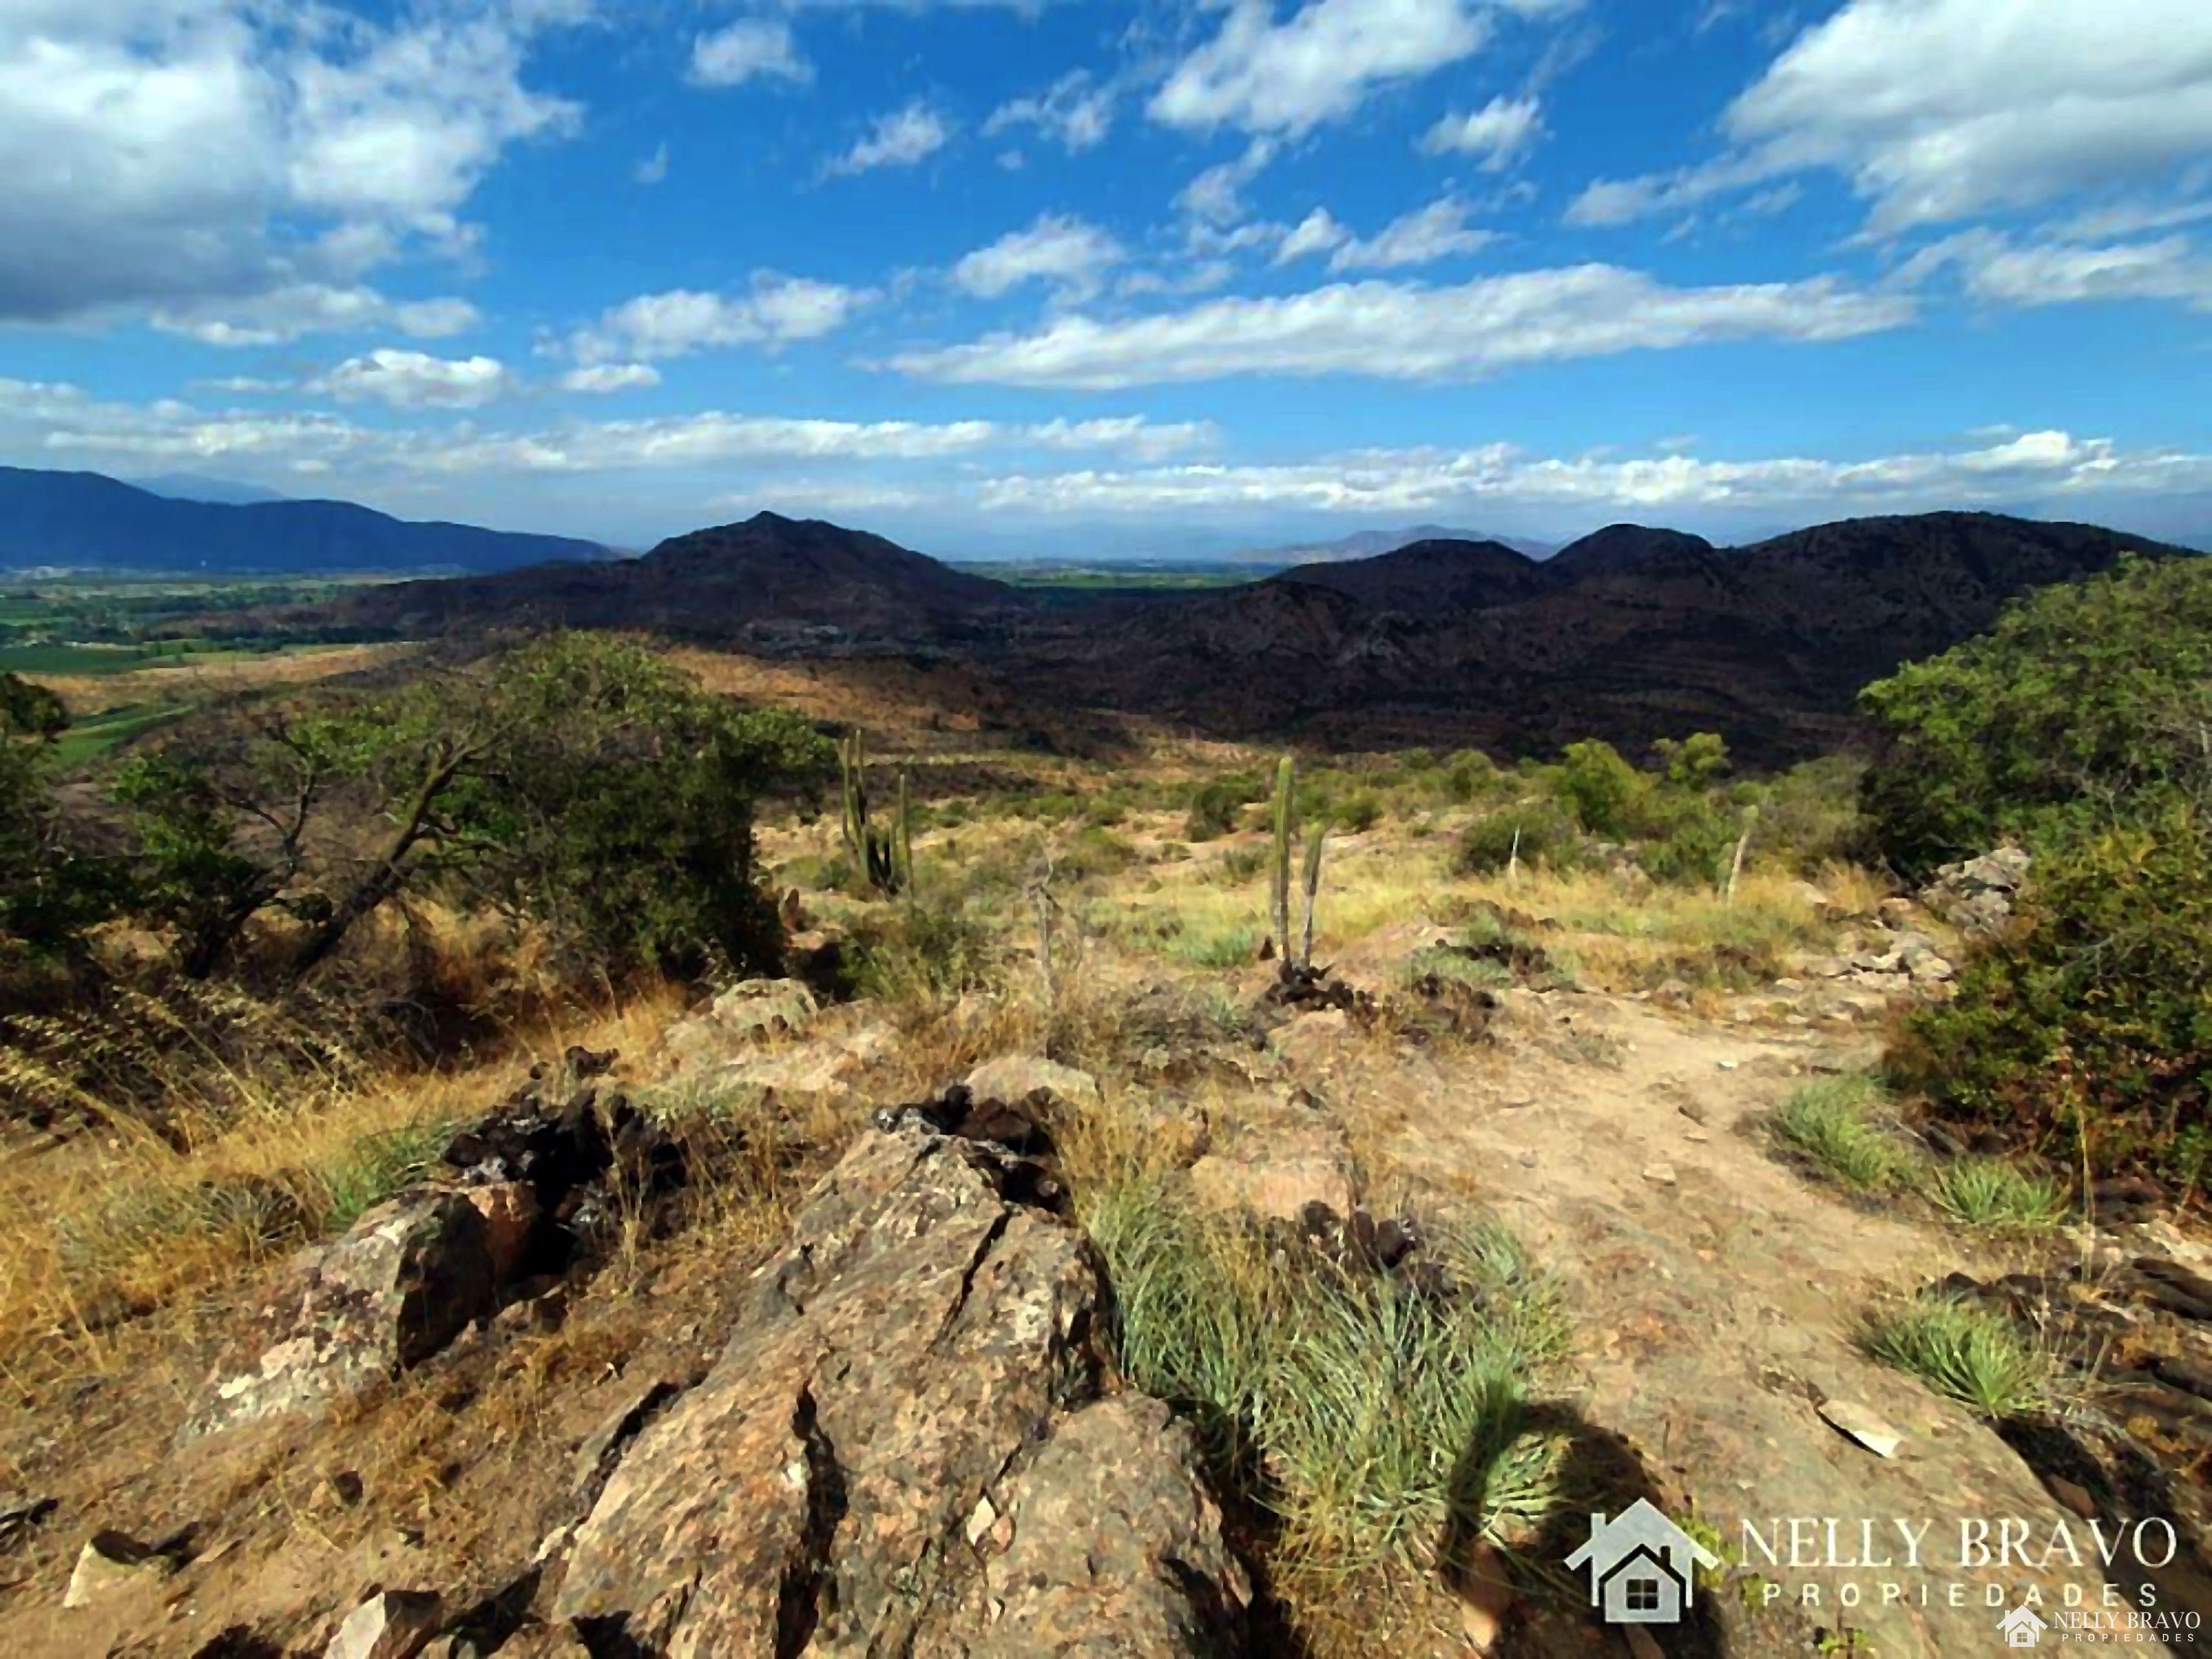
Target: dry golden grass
x=121 y=1221
x=92 y=693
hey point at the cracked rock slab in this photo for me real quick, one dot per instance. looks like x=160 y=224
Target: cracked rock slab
x=903 y=1358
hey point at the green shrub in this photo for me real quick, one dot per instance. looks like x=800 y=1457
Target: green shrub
x=1546 y=837
x=923 y=951
x=1691 y=840
x=1359 y=810
x=1471 y=775
x=1987 y=1192
x=1241 y=864
x=1217 y=806
x=1967 y=1353
x=2093 y=1020
x=1096 y=852
x=1217 y=947
x=1808 y=815
x=2085 y=703
x=1599 y=788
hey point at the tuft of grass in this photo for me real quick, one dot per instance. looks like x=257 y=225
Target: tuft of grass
x=379 y=1164
x=1456 y=965
x=1832 y=1123
x=1967 y=1354
x=1216 y=947
x=1379 y=1417
x=923 y=953
x=1987 y=1192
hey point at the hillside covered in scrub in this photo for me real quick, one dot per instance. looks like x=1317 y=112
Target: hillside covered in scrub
x=570 y=1142
x=1628 y=635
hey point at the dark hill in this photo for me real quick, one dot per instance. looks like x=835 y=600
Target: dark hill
x=85 y=520
x=1631 y=634
x=1622 y=547
x=1426 y=575
x=770 y=579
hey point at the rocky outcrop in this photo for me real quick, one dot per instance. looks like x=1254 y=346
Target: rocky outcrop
x=536 y=1185
x=404 y=1281
x=1977 y=895
x=1106 y=1547
x=901 y=1449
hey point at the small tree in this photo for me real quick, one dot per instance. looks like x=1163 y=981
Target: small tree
x=50 y=890
x=1601 y=787
x=579 y=781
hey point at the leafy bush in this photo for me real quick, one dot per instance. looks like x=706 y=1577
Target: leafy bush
x=1218 y=805
x=1546 y=837
x=1599 y=788
x=49 y=893
x=2086 y=701
x=1359 y=810
x=1808 y=815
x=2077 y=727
x=1689 y=838
x=1470 y=775
x=2093 y=1021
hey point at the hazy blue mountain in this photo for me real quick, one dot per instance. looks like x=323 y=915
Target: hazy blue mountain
x=86 y=521
x=193 y=487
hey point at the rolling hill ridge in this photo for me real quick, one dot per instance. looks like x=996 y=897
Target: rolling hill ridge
x=87 y=520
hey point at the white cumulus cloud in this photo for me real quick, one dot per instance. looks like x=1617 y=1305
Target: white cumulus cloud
x=182 y=154
x=1937 y=111
x=1500 y=132
x=1057 y=248
x=1076 y=112
x=778 y=310
x=1406 y=330
x=602 y=378
x=902 y=138
x=415 y=379
x=752 y=48
x=1418 y=237
x=1288 y=77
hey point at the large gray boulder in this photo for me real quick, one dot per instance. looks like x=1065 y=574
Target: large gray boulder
x=881 y=1437
x=402 y=1282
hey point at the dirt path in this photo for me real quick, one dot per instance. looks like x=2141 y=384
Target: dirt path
x=1713 y=1292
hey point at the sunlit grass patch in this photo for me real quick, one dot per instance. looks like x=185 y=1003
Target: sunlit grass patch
x=1833 y=1124
x=1965 y=1352
x=1987 y=1192
x=1351 y=1405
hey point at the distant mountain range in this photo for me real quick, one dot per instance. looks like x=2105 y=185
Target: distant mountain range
x=192 y=487
x=1368 y=543
x=1631 y=633
x=84 y=521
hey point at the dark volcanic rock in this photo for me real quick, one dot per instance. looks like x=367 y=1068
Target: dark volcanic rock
x=876 y=1463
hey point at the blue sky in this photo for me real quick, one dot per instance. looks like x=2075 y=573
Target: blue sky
x=1066 y=278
